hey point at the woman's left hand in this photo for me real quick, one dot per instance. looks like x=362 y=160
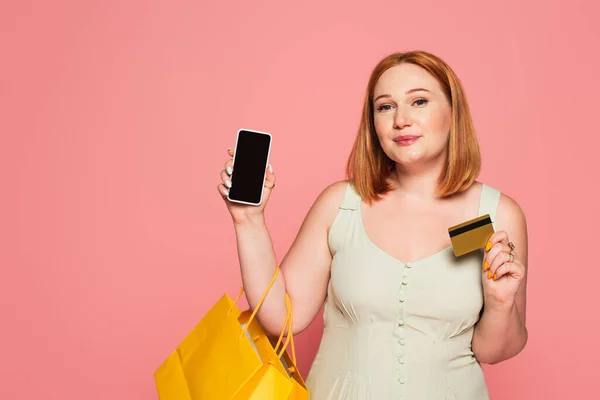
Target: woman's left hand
x=502 y=270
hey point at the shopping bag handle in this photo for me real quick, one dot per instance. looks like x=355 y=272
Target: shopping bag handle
x=286 y=324
x=262 y=298
x=288 y=319
x=290 y=336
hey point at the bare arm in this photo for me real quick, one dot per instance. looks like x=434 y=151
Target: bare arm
x=304 y=271
x=501 y=332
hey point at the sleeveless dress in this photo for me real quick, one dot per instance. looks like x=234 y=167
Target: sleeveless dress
x=396 y=330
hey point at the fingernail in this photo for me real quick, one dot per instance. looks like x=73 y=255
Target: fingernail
x=495 y=276
x=229 y=149
x=488 y=246
x=485 y=266
x=271 y=168
x=225 y=192
x=489 y=274
x=229 y=170
x=228 y=183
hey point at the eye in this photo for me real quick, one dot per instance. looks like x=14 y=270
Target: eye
x=420 y=102
x=384 y=107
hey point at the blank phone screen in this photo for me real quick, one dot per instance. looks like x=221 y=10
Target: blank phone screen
x=249 y=166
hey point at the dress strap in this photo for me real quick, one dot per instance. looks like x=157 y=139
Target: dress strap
x=488 y=203
x=351 y=200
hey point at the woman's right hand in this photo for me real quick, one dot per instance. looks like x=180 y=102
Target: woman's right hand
x=243 y=212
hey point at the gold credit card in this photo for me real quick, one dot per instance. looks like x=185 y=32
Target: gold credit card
x=471 y=235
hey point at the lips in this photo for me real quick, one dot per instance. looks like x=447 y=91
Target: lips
x=406 y=140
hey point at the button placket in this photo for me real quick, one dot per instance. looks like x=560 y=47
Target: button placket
x=400 y=330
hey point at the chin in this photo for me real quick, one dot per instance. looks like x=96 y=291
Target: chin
x=417 y=161
x=415 y=155
x=411 y=157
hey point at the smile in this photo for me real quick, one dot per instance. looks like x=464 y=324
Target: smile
x=406 y=140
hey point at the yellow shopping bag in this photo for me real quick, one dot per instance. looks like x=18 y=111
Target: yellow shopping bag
x=228 y=356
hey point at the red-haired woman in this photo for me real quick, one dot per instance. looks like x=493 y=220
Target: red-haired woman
x=404 y=317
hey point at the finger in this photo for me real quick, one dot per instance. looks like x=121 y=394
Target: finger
x=229 y=166
x=222 y=190
x=230 y=151
x=270 y=177
x=497 y=237
x=500 y=259
x=509 y=268
x=492 y=253
x=226 y=178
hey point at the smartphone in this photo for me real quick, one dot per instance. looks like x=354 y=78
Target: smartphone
x=250 y=161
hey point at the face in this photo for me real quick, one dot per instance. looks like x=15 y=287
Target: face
x=412 y=115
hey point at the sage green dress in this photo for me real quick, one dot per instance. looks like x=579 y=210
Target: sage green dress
x=396 y=330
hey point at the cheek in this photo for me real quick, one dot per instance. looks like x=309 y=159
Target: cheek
x=382 y=125
x=436 y=123
x=446 y=122
x=440 y=121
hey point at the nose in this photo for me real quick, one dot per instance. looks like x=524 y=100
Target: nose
x=401 y=118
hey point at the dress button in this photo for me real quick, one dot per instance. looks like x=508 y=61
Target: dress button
x=401 y=322
x=401 y=342
x=405 y=280
x=401 y=380
x=402 y=297
x=407 y=265
x=401 y=360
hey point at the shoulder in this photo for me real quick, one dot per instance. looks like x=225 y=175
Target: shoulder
x=327 y=203
x=332 y=195
x=510 y=217
x=505 y=203
x=510 y=212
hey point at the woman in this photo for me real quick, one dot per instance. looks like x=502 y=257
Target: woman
x=404 y=317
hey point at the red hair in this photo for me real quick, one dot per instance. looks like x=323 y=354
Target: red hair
x=368 y=167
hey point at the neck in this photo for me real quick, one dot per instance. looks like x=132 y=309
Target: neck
x=418 y=181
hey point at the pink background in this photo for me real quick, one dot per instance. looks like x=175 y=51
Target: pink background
x=115 y=120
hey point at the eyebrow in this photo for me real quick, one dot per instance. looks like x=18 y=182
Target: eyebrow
x=407 y=92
